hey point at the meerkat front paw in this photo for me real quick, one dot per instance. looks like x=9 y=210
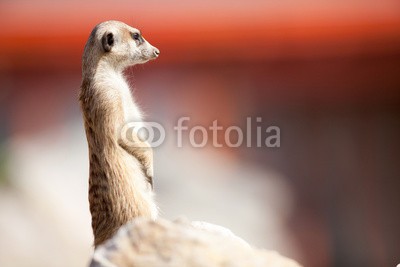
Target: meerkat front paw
x=150 y=172
x=143 y=152
x=146 y=160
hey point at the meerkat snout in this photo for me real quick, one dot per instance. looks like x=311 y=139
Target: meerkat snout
x=151 y=52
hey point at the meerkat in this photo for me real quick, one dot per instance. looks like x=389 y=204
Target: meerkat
x=121 y=171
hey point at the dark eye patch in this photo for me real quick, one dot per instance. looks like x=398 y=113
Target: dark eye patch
x=136 y=36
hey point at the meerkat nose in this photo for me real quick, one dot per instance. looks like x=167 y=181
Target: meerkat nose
x=156 y=52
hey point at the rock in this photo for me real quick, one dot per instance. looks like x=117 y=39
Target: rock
x=162 y=243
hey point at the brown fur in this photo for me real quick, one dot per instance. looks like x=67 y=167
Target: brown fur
x=118 y=171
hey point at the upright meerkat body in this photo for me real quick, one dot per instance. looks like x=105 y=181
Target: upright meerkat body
x=120 y=179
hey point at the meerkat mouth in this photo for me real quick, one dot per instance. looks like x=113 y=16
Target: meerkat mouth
x=156 y=53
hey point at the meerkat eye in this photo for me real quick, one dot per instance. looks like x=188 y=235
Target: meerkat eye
x=136 y=36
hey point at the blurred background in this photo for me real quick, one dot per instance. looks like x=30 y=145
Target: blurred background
x=326 y=72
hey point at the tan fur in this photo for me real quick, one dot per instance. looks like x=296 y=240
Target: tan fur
x=119 y=188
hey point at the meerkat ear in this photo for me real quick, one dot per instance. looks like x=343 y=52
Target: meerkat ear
x=107 y=41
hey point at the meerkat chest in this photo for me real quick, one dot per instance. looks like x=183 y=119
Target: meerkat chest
x=130 y=109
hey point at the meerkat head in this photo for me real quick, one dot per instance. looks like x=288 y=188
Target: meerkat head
x=119 y=45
